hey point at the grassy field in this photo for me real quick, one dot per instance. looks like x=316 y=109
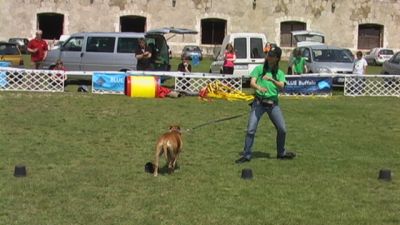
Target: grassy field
x=85 y=156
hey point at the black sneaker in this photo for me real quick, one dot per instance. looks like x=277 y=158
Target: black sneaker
x=288 y=155
x=242 y=160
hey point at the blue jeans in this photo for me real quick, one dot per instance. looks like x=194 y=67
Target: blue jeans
x=276 y=117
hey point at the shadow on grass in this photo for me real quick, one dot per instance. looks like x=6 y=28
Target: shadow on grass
x=258 y=154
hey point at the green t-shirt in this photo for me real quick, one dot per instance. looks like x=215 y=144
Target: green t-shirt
x=272 y=90
x=298 y=64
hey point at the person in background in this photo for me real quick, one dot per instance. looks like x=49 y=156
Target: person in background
x=184 y=67
x=143 y=56
x=229 y=59
x=58 y=78
x=360 y=64
x=267 y=80
x=359 y=68
x=38 y=48
x=299 y=63
x=267 y=47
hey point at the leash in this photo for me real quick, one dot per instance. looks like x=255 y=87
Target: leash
x=215 y=121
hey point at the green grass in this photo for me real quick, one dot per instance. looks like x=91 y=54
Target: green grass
x=85 y=156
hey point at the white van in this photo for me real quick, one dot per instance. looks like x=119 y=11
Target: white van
x=111 y=51
x=249 y=53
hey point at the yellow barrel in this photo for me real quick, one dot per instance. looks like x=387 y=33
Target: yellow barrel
x=142 y=86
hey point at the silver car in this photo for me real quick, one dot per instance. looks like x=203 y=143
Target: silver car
x=392 y=66
x=326 y=59
x=377 y=56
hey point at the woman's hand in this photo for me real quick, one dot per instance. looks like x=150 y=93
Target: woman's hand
x=261 y=89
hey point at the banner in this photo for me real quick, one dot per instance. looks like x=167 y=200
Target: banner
x=3 y=79
x=308 y=85
x=108 y=82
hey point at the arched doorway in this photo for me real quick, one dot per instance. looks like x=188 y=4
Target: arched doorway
x=52 y=25
x=132 y=23
x=370 y=36
x=213 y=31
x=287 y=27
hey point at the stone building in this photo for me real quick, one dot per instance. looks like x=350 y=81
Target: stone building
x=353 y=24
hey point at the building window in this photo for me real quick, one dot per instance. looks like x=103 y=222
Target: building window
x=370 y=36
x=287 y=39
x=52 y=25
x=132 y=23
x=213 y=31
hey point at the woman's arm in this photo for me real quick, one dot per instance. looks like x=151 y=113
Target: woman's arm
x=279 y=84
x=254 y=85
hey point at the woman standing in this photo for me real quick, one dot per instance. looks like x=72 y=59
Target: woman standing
x=267 y=80
x=229 y=59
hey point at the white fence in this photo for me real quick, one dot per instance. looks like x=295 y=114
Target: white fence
x=372 y=85
x=31 y=80
x=13 y=79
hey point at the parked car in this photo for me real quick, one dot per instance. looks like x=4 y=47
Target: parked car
x=111 y=51
x=249 y=53
x=392 y=66
x=307 y=38
x=22 y=44
x=61 y=41
x=327 y=59
x=377 y=56
x=11 y=53
x=191 y=50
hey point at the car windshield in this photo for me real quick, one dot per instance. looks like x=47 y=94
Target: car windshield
x=386 y=52
x=192 y=48
x=332 y=55
x=9 y=50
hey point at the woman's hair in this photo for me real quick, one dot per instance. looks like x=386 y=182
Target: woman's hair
x=274 y=71
x=229 y=45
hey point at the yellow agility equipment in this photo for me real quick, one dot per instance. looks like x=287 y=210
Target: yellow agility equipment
x=217 y=89
x=142 y=86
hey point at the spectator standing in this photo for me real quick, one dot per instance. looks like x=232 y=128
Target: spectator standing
x=267 y=47
x=360 y=64
x=299 y=63
x=185 y=67
x=229 y=59
x=38 y=48
x=267 y=80
x=143 y=56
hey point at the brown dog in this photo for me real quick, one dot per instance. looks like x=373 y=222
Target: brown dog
x=169 y=144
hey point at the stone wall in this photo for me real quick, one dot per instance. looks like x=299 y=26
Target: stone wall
x=337 y=19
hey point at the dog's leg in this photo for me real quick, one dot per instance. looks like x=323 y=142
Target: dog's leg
x=174 y=161
x=171 y=159
x=156 y=161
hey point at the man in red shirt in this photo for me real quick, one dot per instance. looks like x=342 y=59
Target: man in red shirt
x=38 y=49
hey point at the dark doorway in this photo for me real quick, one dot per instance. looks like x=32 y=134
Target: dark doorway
x=287 y=39
x=213 y=31
x=52 y=25
x=370 y=36
x=132 y=23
